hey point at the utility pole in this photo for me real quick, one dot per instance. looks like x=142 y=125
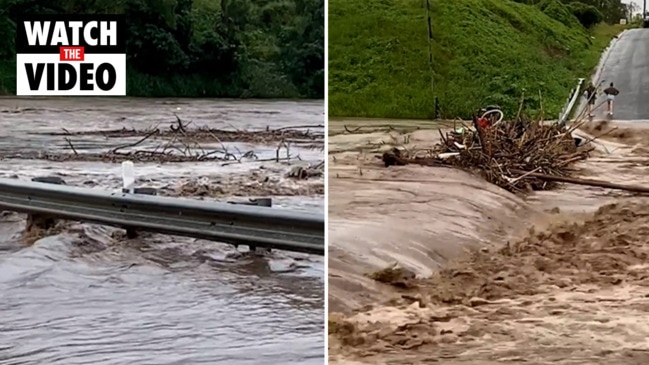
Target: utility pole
x=430 y=58
x=644 y=9
x=430 y=45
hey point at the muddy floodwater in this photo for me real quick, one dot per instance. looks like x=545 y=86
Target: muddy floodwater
x=83 y=294
x=588 y=305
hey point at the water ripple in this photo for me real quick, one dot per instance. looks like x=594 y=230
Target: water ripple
x=82 y=297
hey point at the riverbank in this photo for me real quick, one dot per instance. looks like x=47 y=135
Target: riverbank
x=484 y=52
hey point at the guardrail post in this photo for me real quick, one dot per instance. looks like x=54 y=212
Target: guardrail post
x=131 y=232
x=42 y=221
x=260 y=202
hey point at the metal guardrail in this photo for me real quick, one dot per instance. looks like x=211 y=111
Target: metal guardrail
x=570 y=102
x=255 y=226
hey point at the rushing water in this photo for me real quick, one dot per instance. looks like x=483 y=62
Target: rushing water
x=423 y=217
x=84 y=297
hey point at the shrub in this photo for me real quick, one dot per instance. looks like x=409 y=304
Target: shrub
x=587 y=15
x=558 y=11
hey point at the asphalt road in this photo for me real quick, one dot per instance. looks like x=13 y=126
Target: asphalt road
x=627 y=66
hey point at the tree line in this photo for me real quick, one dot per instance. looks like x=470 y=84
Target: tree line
x=589 y=12
x=201 y=48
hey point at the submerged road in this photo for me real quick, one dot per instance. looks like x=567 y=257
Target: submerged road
x=627 y=65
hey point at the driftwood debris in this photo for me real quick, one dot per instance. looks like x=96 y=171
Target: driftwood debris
x=587 y=182
x=180 y=129
x=495 y=151
x=518 y=156
x=394 y=158
x=306 y=172
x=179 y=143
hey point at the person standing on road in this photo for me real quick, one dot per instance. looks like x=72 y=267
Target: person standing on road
x=590 y=95
x=611 y=92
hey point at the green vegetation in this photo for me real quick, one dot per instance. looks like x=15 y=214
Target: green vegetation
x=201 y=48
x=484 y=52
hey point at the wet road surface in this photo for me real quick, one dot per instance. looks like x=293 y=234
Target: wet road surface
x=627 y=66
x=85 y=296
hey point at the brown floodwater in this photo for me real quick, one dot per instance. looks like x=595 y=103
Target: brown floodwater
x=425 y=217
x=85 y=296
x=422 y=217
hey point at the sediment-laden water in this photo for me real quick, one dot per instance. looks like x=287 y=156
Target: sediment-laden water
x=425 y=218
x=84 y=295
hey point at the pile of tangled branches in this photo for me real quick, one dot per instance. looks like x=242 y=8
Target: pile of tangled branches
x=508 y=154
x=304 y=135
x=178 y=143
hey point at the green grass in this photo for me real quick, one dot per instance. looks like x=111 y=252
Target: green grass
x=484 y=52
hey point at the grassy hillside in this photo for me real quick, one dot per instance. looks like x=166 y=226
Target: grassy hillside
x=484 y=51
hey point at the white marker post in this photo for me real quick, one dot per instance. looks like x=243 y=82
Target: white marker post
x=128 y=177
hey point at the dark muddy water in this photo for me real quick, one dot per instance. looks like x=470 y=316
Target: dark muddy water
x=85 y=296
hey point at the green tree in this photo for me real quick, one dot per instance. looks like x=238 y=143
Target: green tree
x=220 y=48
